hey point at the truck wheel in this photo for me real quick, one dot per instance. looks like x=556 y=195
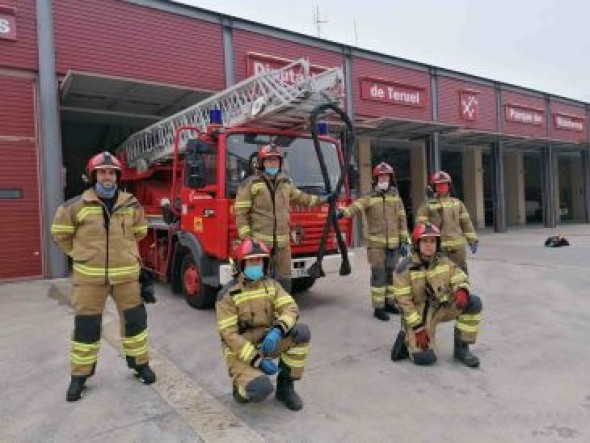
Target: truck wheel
x=196 y=293
x=302 y=284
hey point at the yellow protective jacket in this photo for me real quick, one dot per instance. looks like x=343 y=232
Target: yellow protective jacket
x=386 y=218
x=450 y=215
x=262 y=207
x=415 y=281
x=100 y=255
x=247 y=310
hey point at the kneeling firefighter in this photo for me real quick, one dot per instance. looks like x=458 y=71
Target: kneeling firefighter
x=99 y=230
x=430 y=289
x=388 y=236
x=257 y=321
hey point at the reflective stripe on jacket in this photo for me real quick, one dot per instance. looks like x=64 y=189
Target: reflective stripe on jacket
x=101 y=255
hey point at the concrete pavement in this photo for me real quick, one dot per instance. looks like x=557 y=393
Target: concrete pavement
x=533 y=385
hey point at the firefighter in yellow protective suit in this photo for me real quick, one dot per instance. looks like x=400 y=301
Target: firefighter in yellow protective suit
x=257 y=321
x=99 y=230
x=431 y=289
x=388 y=236
x=262 y=209
x=451 y=217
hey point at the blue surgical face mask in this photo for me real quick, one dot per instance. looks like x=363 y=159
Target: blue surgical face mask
x=104 y=192
x=254 y=272
x=271 y=171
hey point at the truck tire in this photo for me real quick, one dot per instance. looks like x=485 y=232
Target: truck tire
x=302 y=284
x=196 y=293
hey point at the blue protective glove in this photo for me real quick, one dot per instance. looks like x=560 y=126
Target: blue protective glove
x=268 y=366
x=473 y=247
x=339 y=214
x=404 y=249
x=270 y=344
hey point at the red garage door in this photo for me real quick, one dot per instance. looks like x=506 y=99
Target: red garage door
x=20 y=238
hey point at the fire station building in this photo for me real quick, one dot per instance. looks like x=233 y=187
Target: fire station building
x=80 y=76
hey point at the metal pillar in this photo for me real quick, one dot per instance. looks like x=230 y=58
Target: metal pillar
x=433 y=153
x=549 y=210
x=51 y=155
x=228 y=52
x=586 y=181
x=498 y=187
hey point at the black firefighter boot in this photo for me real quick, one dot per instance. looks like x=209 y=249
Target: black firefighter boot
x=145 y=373
x=462 y=352
x=391 y=308
x=381 y=314
x=286 y=393
x=76 y=388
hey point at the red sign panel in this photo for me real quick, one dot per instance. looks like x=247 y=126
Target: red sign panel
x=524 y=114
x=259 y=63
x=7 y=23
x=469 y=104
x=569 y=122
x=392 y=92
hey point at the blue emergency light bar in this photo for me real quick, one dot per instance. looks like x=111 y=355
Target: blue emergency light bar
x=323 y=128
x=215 y=117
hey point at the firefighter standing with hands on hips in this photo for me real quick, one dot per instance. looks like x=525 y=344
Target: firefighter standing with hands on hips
x=257 y=321
x=99 y=230
x=388 y=236
x=451 y=217
x=431 y=289
x=262 y=209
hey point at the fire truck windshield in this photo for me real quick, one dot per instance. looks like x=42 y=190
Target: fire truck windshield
x=301 y=162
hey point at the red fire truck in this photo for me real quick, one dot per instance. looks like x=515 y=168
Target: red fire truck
x=185 y=170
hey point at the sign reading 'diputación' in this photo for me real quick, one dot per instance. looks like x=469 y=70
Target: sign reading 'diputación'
x=524 y=114
x=569 y=122
x=7 y=23
x=392 y=92
x=260 y=63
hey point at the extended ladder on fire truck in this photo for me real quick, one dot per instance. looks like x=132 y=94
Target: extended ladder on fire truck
x=274 y=99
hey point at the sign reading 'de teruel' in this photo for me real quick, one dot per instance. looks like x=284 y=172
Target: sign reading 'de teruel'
x=392 y=92
x=7 y=23
x=524 y=114
x=259 y=63
x=569 y=122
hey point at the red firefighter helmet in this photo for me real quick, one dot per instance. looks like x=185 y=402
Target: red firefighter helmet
x=382 y=168
x=267 y=151
x=425 y=230
x=104 y=160
x=250 y=248
x=440 y=177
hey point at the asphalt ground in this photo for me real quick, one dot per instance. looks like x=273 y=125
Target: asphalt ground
x=533 y=385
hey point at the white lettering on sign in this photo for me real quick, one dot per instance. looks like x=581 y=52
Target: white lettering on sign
x=4 y=26
x=393 y=93
x=260 y=63
x=469 y=104
x=524 y=115
x=289 y=76
x=569 y=122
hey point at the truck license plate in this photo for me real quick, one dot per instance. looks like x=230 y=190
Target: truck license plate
x=298 y=273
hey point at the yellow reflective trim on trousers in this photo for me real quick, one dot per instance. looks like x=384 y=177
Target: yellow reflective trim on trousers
x=269 y=239
x=247 y=352
x=415 y=275
x=136 y=352
x=466 y=328
x=243 y=205
x=298 y=350
x=288 y=320
x=136 y=338
x=405 y=290
x=227 y=322
x=85 y=212
x=292 y=363
x=470 y=317
x=390 y=288
x=283 y=300
x=99 y=272
x=63 y=228
x=413 y=318
x=85 y=347
x=83 y=361
x=470 y=235
x=378 y=289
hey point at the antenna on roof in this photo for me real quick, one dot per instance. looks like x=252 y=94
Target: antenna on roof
x=318 y=21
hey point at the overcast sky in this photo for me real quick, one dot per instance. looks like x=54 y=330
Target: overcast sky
x=541 y=44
